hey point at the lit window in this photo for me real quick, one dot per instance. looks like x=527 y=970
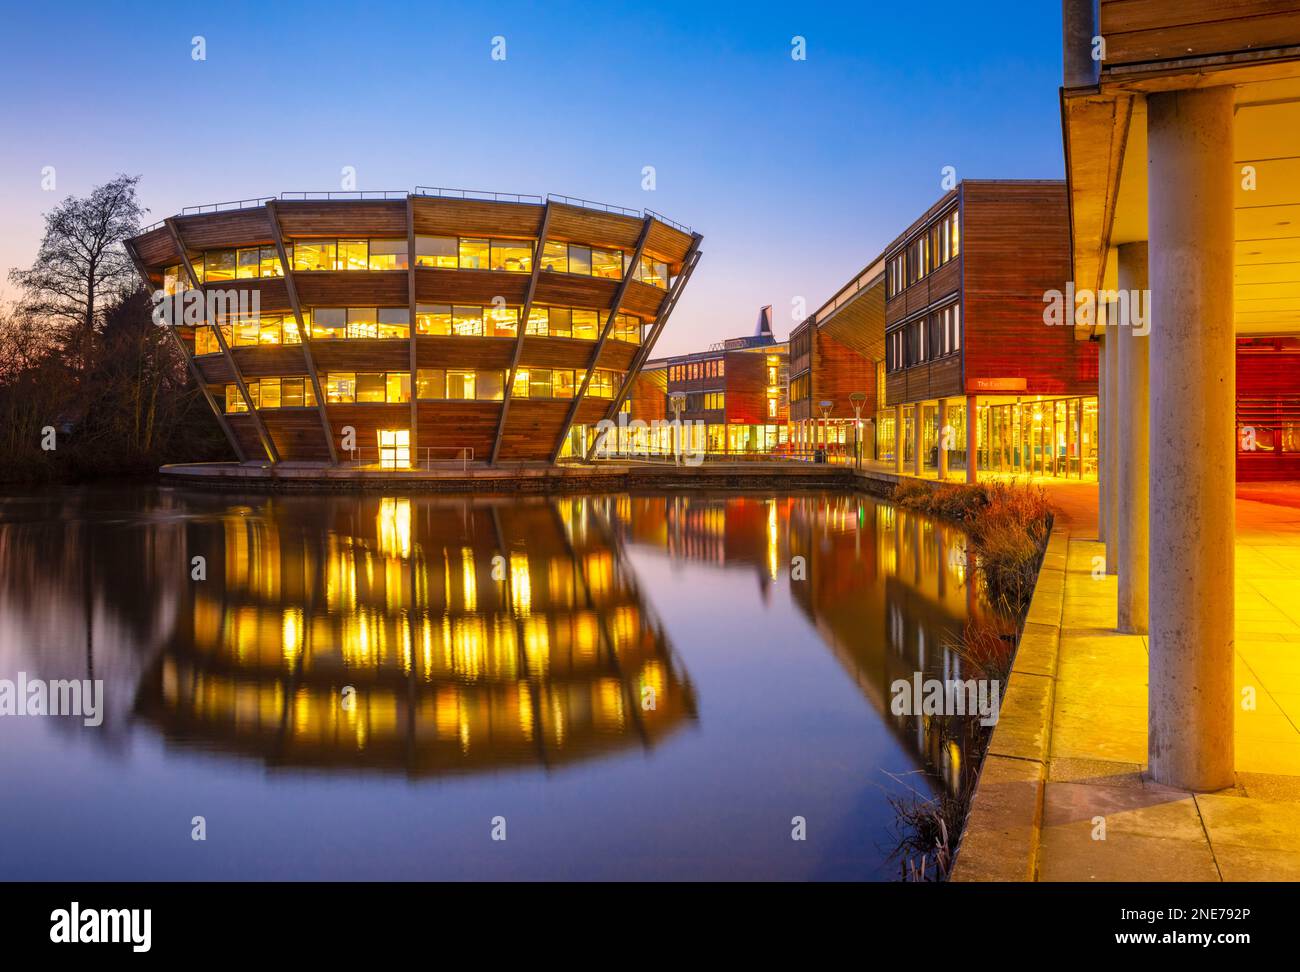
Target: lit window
x=517 y=257
x=501 y=321
x=394 y=448
x=586 y=324
x=398 y=386
x=309 y=257
x=431 y=383
x=269 y=260
x=460 y=384
x=363 y=322
x=352 y=255
x=436 y=251
x=219 y=265
x=539 y=383
x=607 y=264
x=248 y=263
x=555 y=257
x=520 y=387
x=562 y=383
x=394 y=322
x=388 y=254
x=474 y=254
x=234 y=400
x=433 y=318
x=490 y=386
x=340 y=387
x=269 y=393
x=467 y=321
x=538 y=322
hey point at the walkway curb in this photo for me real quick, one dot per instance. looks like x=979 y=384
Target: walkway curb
x=1004 y=829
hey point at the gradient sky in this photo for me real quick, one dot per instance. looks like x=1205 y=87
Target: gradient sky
x=797 y=173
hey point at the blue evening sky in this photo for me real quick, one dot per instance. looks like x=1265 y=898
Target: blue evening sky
x=796 y=172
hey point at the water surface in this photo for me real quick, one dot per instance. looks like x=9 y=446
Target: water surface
x=641 y=686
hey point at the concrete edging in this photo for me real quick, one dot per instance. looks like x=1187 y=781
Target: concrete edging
x=1002 y=835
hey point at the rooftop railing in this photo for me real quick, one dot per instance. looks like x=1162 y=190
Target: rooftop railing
x=591 y=204
x=222 y=207
x=485 y=195
x=670 y=222
x=344 y=194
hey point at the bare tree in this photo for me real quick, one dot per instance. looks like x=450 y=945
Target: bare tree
x=82 y=262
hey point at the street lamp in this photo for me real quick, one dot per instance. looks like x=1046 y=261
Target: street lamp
x=677 y=402
x=825 y=407
x=857 y=400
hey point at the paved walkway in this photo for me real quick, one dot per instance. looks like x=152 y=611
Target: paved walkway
x=1071 y=756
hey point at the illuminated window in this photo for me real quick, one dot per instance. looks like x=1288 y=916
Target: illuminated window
x=431 y=383
x=394 y=322
x=205 y=341
x=269 y=393
x=607 y=264
x=653 y=272
x=388 y=255
x=174 y=281
x=515 y=256
x=394 y=448
x=627 y=328
x=398 y=386
x=247 y=332
x=490 y=386
x=771 y=408
x=474 y=254
x=352 y=255
x=296 y=393
x=436 y=251
x=234 y=400
x=520 y=387
x=586 y=324
x=269 y=331
x=460 y=384
x=501 y=321
x=555 y=257
x=248 y=263
x=433 y=318
x=539 y=383
x=340 y=387
x=538 y=322
x=308 y=257
x=269 y=262
x=562 y=383
x=467 y=320
x=363 y=322
x=218 y=265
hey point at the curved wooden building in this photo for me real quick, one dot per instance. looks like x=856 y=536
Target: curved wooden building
x=410 y=329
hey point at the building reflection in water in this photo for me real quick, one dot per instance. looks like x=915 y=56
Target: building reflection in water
x=420 y=635
x=887 y=589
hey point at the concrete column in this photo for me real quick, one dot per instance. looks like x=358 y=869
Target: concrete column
x=1101 y=441
x=972 y=439
x=943 y=453
x=1112 y=445
x=918 y=461
x=1133 y=465
x=898 y=439
x=1193 y=395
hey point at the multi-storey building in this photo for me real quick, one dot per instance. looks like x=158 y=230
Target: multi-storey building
x=968 y=346
x=835 y=354
x=412 y=328
x=736 y=391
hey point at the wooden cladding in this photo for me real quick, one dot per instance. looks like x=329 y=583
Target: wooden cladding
x=1016 y=249
x=1156 y=30
x=342 y=217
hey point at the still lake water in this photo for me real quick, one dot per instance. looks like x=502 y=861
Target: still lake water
x=635 y=683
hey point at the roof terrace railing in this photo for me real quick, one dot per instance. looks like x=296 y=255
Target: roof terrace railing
x=344 y=194
x=481 y=194
x=670 y=222
x=222 y=207
x=590 y=204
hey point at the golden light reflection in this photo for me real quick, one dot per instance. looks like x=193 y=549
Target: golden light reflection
x=395 y=526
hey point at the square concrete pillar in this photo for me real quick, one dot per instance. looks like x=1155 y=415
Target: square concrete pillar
x=1132 y=467
x=898 y=439
x=1111 y=440
x=945 y=431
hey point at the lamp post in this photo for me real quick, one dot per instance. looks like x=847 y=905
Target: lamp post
x=857 y=400
x=677 y=401
x=825 y=408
